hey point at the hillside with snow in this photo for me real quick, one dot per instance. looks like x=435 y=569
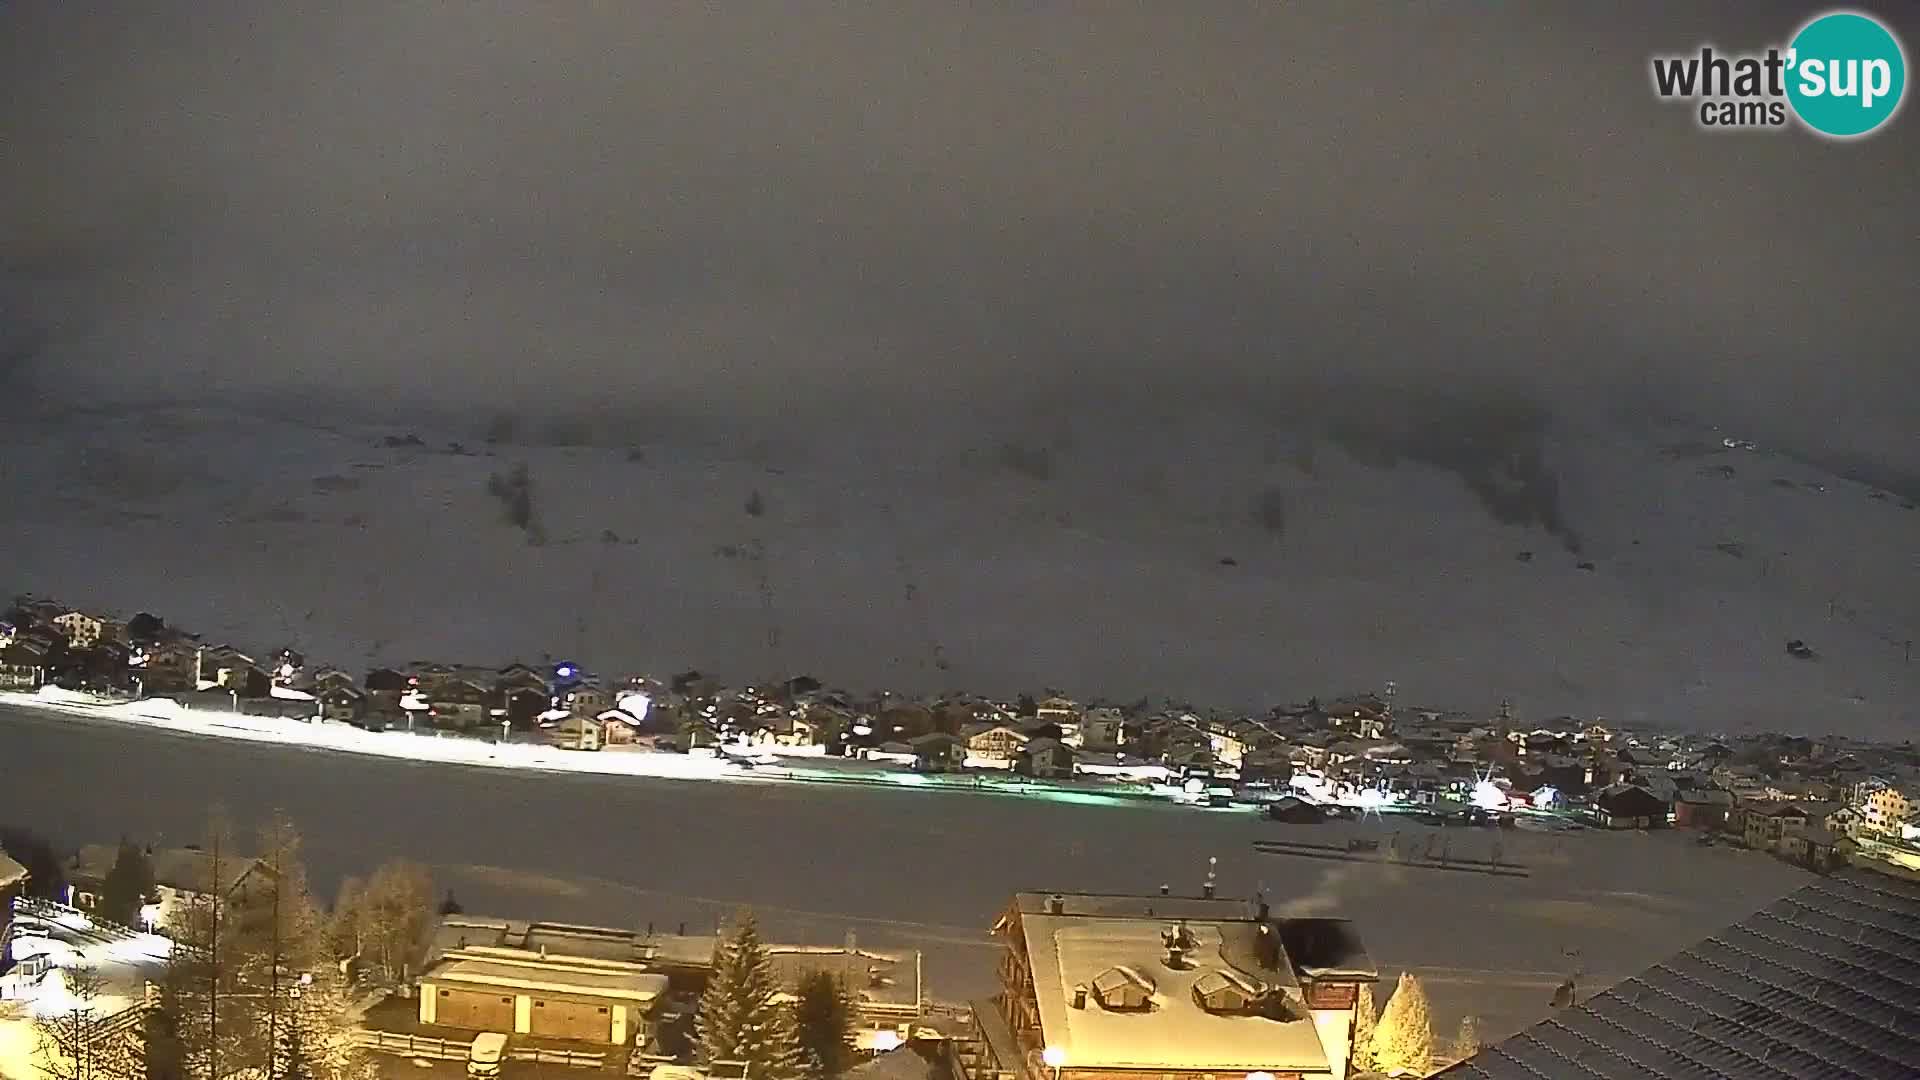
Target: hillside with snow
x=1649 y=577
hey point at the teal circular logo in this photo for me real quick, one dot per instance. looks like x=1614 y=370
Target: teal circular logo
x=1846 y=75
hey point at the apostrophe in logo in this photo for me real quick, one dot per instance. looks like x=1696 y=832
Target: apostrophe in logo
x=1843 y=76
x=1846 y=75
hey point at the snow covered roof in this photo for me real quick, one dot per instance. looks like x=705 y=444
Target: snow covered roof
x=1174 y=1032
x=1115 y=906
x=901 y=1064
x=500 y=969
x=1627 y=799
x=185 y=869
x=1117 y=978
x=1707 y=797
x=1818 y=984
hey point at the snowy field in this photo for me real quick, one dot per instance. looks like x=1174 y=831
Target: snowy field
x=169 y=715
x=48 y=945
x=737 y=764
x=901 y=869
x=1015 y=563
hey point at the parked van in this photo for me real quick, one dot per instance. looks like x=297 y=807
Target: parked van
x=489 y=1049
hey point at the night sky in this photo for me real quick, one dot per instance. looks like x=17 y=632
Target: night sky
x=713 y=213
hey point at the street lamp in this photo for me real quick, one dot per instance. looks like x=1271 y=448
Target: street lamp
x=1055 y=1058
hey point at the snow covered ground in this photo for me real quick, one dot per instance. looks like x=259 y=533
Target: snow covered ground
x=45 y=947
x=171 y=716
x=1292 y=565
x=920 y=869
x=733 y=764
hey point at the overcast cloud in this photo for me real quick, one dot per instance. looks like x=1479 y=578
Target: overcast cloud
x=737 y=209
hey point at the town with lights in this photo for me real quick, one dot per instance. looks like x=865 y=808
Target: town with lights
x=1170 y=984
x=1338 y=757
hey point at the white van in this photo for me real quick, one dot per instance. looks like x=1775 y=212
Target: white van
x=489 y=1049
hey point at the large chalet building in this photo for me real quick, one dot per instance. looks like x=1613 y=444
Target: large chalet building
x=1099 y=987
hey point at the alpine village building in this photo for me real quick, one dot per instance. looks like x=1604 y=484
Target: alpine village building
x=1101 y=987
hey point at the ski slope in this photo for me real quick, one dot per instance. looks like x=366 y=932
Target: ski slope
x=1016 y=558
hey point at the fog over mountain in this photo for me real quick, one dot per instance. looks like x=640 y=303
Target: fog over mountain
x=758 y=210
x=1455 y=239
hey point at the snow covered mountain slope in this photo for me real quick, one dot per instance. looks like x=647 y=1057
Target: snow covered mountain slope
x=1071 y=557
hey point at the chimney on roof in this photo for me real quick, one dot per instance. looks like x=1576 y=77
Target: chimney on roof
x=1079 y=997
x=1178 y=943
x=1165 y=890
x=1056 y=904
x=543 y=951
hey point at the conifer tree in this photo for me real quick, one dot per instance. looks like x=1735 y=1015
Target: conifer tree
x=127 y=885
x=1403 y=1042
x=824 y=1020
x=740 y=1018
x=1364 y=1022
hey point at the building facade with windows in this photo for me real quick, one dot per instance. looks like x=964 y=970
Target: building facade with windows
x=515 y=991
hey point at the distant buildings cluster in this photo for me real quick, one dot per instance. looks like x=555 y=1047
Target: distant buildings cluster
x=1356 y=749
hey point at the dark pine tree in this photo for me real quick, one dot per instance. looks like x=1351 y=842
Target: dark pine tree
x=127 y=885
x=824 y=1019
x=46 y=878
x=145 y=628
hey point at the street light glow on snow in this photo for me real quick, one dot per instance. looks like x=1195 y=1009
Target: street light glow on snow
x=1488 y=795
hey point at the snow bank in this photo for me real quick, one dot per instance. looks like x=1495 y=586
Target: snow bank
x=60 y=696
x=170 y=715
